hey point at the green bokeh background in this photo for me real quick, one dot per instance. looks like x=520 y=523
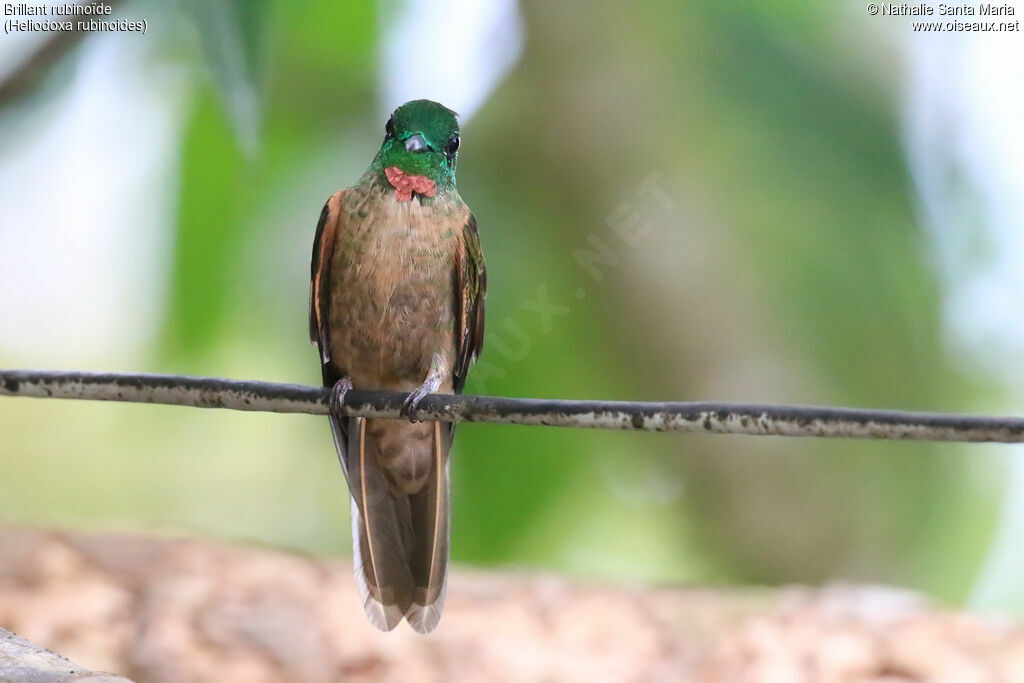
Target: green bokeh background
x=789 y=267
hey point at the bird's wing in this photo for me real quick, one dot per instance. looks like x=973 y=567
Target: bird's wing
x=320 y=272
x=470 y=288
x=320 y=305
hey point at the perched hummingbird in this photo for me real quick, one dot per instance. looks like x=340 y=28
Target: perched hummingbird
x=397 y=303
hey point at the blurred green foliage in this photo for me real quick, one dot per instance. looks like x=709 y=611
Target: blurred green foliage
x=790 y=268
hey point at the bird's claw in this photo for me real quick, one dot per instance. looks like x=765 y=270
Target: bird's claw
x=338 y=391
x=410 y=406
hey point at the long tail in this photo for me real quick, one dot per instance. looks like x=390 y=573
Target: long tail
x=431 y=514
x=399 y=526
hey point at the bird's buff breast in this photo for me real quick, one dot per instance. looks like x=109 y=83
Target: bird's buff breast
x=391 y=291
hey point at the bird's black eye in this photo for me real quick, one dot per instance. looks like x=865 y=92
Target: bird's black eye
x=389 y=129
x=453 y=147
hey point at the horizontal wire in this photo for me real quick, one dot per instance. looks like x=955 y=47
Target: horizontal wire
x=693 y=416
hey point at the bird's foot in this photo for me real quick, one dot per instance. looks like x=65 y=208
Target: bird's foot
x=338 y=391
x=436 y=376
x=410 y=406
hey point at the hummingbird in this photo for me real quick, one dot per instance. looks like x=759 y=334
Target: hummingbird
x=396 y=303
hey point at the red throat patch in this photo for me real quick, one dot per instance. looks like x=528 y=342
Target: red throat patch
x=406 y=184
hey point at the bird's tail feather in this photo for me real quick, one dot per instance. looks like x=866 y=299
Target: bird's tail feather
x=400 y=542
x=381 y=533
x=429 y=557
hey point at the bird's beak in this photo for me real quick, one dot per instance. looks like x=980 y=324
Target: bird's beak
x=416 y=143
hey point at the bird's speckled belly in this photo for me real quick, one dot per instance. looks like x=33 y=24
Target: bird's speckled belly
x=392 y=296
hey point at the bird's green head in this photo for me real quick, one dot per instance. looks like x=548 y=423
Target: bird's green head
x=420 y=139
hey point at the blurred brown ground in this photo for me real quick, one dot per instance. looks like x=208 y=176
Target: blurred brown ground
x=157 y=609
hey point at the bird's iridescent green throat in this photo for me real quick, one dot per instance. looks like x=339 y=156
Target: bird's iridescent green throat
x=422 y=139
